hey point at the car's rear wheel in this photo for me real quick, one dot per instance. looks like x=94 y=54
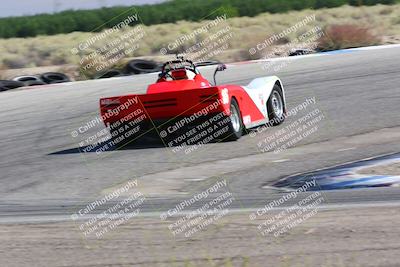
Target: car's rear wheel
x=276 y=106
x=235 y=126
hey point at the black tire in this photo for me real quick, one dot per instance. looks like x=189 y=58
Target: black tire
x=235 y=132
x=54 y=77
x=7 y=85
x=34 y=83
x=300 y=52
x=274 y=117
x=26 y=78
x=139 y=66
x=110 y=73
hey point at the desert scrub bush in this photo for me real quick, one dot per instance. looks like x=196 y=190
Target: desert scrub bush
x=396 y=20
x=15 y=62
x=386 y=11
x=346 y=36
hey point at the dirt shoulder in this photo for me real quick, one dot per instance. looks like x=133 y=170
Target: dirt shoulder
x=345 y=237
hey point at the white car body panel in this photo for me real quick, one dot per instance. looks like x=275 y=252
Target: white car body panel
x=259 y=91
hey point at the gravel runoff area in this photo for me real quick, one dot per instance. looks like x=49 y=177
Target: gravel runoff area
x=346 y=236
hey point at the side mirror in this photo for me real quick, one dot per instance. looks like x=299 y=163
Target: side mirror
x=220 y=67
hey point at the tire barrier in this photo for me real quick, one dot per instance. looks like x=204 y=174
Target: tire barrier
x=8 y=85
x=54 y=77
x=33 y=83
x=29 y=80
x=300 y=52
x=140 y=66
x=26 y=78
x=110 y=73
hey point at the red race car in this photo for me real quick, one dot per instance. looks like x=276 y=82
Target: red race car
x=182 y=107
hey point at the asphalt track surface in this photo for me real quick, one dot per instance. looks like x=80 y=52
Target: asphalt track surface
x=43 y=173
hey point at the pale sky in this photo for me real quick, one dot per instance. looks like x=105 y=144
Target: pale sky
x=29 y=7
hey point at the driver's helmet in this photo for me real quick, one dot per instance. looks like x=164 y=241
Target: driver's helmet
x=182 y=74
x=179 y=74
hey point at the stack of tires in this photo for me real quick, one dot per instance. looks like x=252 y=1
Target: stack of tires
x=135 y=66
x=33 y=80
x=54 y=77
x=140 y=66
x=6 y=85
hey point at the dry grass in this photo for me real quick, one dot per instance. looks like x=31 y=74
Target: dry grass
x=56 y=50
x=347 y=36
